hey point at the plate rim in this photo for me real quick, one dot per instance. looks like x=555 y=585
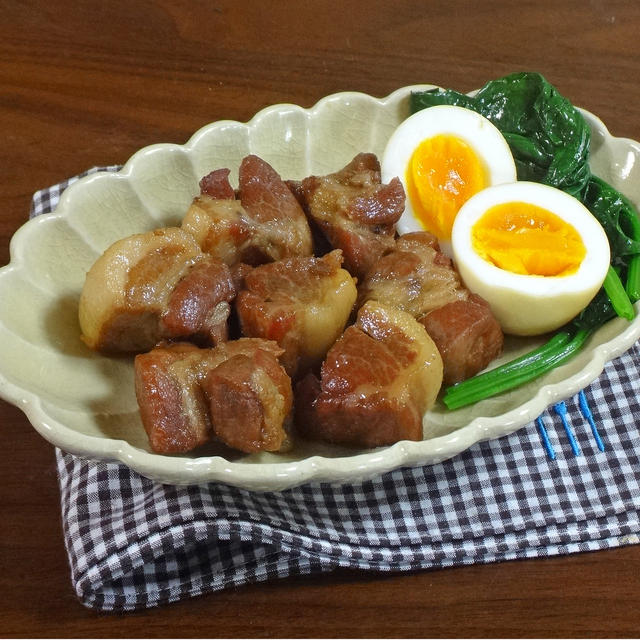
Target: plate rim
x=276 y=476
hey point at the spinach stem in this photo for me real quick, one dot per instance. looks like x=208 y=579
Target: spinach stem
x=528 y=359
x=617 y=294
x=632 y=285
x=517 y=372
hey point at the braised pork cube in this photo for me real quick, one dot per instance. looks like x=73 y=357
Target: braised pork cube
x=467 y=335
x=283 y=228
x=200 y=304
x=376 y=382
x=414 y=275
x=354 y=210
x=259 y=223
x=417 y=278
x=172 y=405
x=237 y=391
x=154 y=286
x=301 y=303
x=250 y=402
x=222 y=229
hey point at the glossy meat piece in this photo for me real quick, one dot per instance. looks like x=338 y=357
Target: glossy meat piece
x=417 y=278
x=223 y=230
x=354 y=210
x=283 y=230
x=250 y=401
x=413 y=276
x=376 y=382
x=301 y=303
x=216 y=185
x=150 y=286
x=467 y=335
x=200 y=304
x=172 y=383
x=260 y=223
x=173 y=408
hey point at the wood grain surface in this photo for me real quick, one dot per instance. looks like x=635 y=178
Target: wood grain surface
x=89 y=83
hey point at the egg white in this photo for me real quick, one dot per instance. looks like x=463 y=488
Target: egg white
x=479 y=133
x=531 y=304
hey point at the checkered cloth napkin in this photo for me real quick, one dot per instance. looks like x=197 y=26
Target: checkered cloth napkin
x=134 y=543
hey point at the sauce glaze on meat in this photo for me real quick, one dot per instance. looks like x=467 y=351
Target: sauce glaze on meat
x=418 y=278
x=237 y=391
x=262 y=222
x=354 y=210
x=376 y=382
x=301 y=303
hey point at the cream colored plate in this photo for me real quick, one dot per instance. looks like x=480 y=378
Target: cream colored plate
x=84 y=403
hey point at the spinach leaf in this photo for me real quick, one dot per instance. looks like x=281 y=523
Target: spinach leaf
x=617 y=216
x=596 y=313
x=548 y=136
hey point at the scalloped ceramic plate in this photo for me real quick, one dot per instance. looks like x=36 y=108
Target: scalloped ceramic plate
x=84 y=403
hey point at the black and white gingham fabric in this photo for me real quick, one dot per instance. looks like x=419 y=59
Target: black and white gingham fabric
x=46 y=200
x=134 y=543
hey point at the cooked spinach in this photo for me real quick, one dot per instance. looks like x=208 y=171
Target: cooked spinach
x=549 y=139
x=616 y=214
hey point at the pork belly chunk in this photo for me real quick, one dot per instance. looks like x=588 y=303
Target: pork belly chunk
x=467 y=335
x=237 y=392
x=376 y=382
x=154 y=286
x=259 y=223
x=301 y=303
x=222 y=229
x=172 y=405
x=354 y=210
x=250 y=402
x=200 y=304
x=417 y=278
x=283 y=228
x=413 y=275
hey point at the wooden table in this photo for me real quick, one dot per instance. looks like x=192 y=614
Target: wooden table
x=84 y=84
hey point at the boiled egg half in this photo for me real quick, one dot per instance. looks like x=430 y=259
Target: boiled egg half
x=444 y=155
x=534 y=253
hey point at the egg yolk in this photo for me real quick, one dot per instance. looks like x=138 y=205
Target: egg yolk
x=527 y=239
x=442 y=174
